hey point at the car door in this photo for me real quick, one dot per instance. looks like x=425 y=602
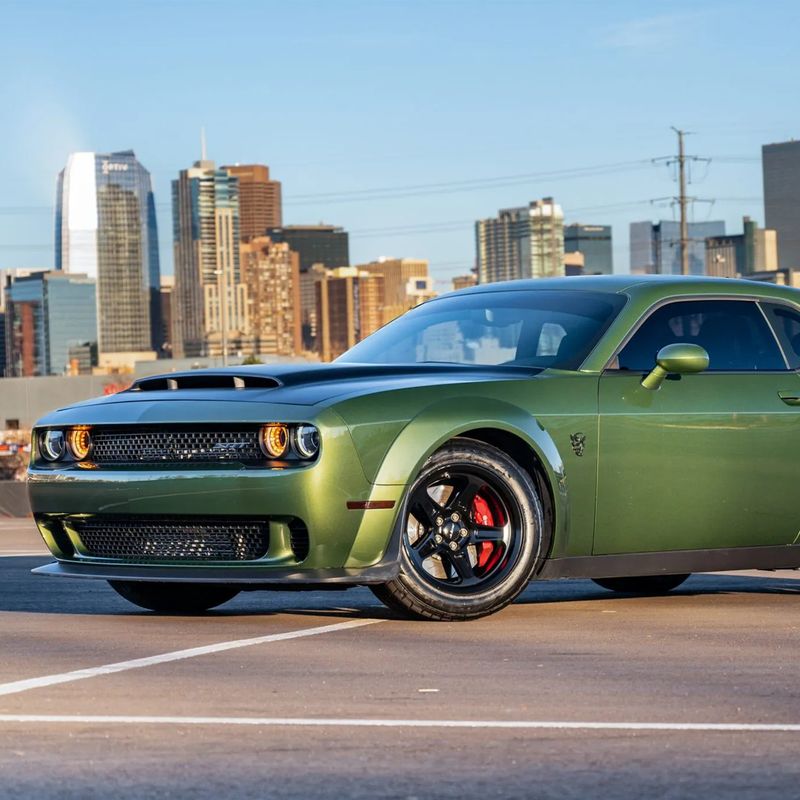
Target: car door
x=707 y=460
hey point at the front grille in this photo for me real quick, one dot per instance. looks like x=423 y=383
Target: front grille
x=173 y=539
x=175 y=446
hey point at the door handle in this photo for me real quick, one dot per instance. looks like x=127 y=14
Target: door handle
x=790 y=398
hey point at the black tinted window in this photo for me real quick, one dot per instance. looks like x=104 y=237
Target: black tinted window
x=786 y=322
x=733 y=332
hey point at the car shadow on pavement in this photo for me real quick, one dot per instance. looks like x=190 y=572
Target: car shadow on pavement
x=698 y=585
x=20 y=591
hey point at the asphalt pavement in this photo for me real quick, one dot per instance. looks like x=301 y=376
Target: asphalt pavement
x=572 y=692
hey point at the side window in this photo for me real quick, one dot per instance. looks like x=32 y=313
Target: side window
x=733 y=332
x=786 y=322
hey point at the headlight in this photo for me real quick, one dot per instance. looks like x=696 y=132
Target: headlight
x=79 y=441
x=306 y=441
x=274 y=440
x=52 y=445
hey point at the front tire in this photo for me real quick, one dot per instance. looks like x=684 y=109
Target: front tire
x=643 y=584
x=472 y=535
x=174 y=598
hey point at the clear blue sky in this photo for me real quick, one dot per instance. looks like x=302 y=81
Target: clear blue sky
x=340 y=96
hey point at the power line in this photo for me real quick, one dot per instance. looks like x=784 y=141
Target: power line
x=441 y=187
x=450 y=226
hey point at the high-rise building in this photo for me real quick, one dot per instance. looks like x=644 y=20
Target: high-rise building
x=464 y=281
x=315 y=244
x=209 y=301
x=781 y=168
x=349 y=308
x=525 y=242
x=574 y=263
x=106 y=229
x=754 y=250
x=406 y=283
x=47 y=313
x=594 y=241
x=272 y=274
x=655 y=247
x=259 y=200
x=324 y=245
x=2 y=343
x=167 y=287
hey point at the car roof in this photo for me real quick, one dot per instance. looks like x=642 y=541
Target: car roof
x=634 y=284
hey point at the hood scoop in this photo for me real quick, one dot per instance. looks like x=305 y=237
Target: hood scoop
x=203 y=380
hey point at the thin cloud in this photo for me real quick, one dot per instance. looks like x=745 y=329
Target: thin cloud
x=651 y=33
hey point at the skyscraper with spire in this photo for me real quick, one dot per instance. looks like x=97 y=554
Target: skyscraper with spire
x=209 y=300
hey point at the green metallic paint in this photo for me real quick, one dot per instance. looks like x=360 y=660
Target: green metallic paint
x=705 y=462
x=676 y=359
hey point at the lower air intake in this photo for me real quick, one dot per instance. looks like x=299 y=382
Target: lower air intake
x=173 y=539
x=298 y=539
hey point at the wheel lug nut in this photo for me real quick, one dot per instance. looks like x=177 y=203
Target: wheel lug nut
x=463 y=532
x=439 y=521
x=454 y=545
x=438 y=538
x=455 y=517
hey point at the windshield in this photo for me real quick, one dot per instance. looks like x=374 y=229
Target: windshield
x=515 y=328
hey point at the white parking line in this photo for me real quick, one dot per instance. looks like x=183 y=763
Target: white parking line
x=21 y=553
x=344 y=722
x=122 y=666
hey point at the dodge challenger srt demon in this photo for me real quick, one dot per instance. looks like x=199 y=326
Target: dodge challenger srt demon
x=630 y=430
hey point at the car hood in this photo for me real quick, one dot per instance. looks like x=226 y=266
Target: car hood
x=301 y=385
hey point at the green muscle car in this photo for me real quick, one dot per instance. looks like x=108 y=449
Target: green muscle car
x=627 y=429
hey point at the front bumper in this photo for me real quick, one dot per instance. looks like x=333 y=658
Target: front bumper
x=345 y=545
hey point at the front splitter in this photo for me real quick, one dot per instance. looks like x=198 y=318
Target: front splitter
x=380 y=573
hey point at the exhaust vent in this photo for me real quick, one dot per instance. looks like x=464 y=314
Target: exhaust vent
x=204 y=380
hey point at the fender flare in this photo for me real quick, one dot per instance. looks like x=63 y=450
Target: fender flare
x=444 y=420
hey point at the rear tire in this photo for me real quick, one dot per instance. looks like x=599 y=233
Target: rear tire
x=644 y=584
x=174 y=598
x=472 y=536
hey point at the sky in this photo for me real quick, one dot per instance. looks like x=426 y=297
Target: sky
x=402 y=121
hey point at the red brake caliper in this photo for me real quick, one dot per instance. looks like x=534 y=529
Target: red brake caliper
x=482 y=514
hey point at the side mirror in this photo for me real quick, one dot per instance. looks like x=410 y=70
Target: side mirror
x=676 y=359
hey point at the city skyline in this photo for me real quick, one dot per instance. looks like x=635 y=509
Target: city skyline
x=67 y=106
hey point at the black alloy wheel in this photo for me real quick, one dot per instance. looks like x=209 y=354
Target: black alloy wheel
x=174 y=598
x=472 y=535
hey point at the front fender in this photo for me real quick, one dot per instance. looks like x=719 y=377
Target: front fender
x=441 y=421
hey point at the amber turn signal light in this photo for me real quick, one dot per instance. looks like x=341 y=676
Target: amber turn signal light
x=79 y=441
x=274 y=440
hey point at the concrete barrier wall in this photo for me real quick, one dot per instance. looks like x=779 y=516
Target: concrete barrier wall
x=14 y=499
x=27 y=399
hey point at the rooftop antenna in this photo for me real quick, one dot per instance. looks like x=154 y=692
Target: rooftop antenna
x=202 y=143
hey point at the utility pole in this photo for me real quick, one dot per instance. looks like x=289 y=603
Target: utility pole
x=683 y=202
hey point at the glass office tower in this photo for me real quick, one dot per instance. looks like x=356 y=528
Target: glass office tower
x=594 y=241
x=47 y=313
x=655 y=247
x=106 y=229
x=781 y=167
